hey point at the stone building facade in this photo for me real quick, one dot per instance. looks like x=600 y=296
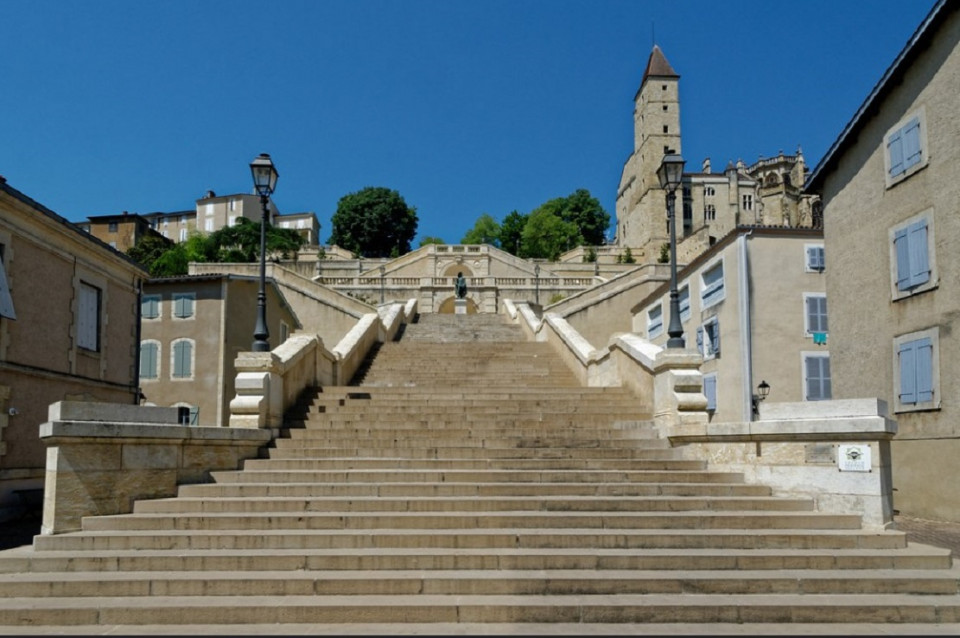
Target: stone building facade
x=890 y=184
x=68 y=325
x=709 y=204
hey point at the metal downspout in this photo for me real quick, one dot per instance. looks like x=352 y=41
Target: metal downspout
x=746 y=335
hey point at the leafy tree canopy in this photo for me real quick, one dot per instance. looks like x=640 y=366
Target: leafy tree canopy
x=546 y=235
x=511 y=232
x=431 y=240
x=486 y=230
x=237 y=243
x=374 y=222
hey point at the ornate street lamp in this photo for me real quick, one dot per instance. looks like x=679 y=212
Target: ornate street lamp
x=762 y=391
x=382 y=272
x=536 y=273
x=670 y=174
x=264 y=181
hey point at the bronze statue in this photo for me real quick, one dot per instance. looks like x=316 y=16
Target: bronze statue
x=460 y=287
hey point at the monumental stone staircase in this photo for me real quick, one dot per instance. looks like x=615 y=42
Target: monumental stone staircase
x=466 y=477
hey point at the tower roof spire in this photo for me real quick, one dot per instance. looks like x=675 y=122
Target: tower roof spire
x=658 y=66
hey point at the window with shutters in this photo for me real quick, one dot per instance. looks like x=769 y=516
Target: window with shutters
x=181 y=359
x=912 y=256
x=816 y=376
x=89 y=303
x=711 y=286
x=149 y=360
x=905 y=148
x=655 y=321
x=814 y=261
x=150 y=307
x=916 y=371
x=683 y=298
x=710 y=391
x=815 y=313
x=708 y=338
x=6 y=298
x=183 y=303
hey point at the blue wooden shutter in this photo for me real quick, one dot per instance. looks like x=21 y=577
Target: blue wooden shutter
x=917 y=243
x=715 y=337
x=818 y=378
x=182 y=352
x=816 y=314
x=924 y=367
x=148 y=361
x=902 y=250
x=700 y=341
x=908 y=372
x=710 y=390
x=912 y=153
x=895 y=151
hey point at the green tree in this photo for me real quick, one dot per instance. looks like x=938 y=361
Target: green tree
x=374 y=222
x=148 y=249
x=585 y=211
x=240 y=242
x=431 y=240
x=664 y=257
x=546 y=235
x=485 y=230
x=511 y=232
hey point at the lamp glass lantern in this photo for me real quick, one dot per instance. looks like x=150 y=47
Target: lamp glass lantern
x=670 y=172
x=264 y=175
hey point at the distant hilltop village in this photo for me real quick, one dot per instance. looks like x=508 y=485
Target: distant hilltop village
x=768 y=193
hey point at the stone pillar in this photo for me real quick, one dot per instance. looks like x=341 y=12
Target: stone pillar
x=678 y=389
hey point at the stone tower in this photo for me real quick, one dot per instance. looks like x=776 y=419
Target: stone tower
x=641 y=208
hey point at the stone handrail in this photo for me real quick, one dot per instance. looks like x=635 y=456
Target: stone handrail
x=269 y=383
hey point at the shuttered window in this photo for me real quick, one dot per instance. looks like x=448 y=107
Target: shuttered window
x=817 y=378
x=88 y=317
x=183 y=305
x=910 y=247
x=182 y=367
x=149 y=360
x=150 y=306
x=710 y=391
x=816 y=313
x=916 y=371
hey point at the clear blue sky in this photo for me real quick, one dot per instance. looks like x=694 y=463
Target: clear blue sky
x=464 y=107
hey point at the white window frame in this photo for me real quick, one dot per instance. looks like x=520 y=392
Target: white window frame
x=747 y=201
x=173 y=359
x=176 y=300
x=933 y=280
x=814 y=258
x=805 y=356
x=717 y=289
x=934 y=403
x=183 y=234
x=655 y=321
x=709 y=348
x=157 y=365
x=901 y=129
x=807 y=328
x=158 y=299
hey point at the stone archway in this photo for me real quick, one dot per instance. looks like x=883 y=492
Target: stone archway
x=453 y=269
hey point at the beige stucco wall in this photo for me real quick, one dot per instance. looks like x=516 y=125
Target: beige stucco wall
x=40 y=361
x=767 y=343
x=860 y=209
x=225 y=312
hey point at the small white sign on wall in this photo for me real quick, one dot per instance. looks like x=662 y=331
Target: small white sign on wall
x=853 y=458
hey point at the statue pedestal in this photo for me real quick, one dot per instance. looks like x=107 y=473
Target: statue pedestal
x=460 y=306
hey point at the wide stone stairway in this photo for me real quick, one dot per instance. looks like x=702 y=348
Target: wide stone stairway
x=466 y=477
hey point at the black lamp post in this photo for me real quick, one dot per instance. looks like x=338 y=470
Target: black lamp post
x=670 y=174
x=536 y=273
x=382 y=271
x=264 y=181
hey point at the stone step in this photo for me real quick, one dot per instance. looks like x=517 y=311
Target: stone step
x=355 y=488
x=456 y=608
x=434 y=464
x=428 y=521
x=485 y=504
x=594 y=541
x=413 y=448
x=389 y=475
x=308 y=580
